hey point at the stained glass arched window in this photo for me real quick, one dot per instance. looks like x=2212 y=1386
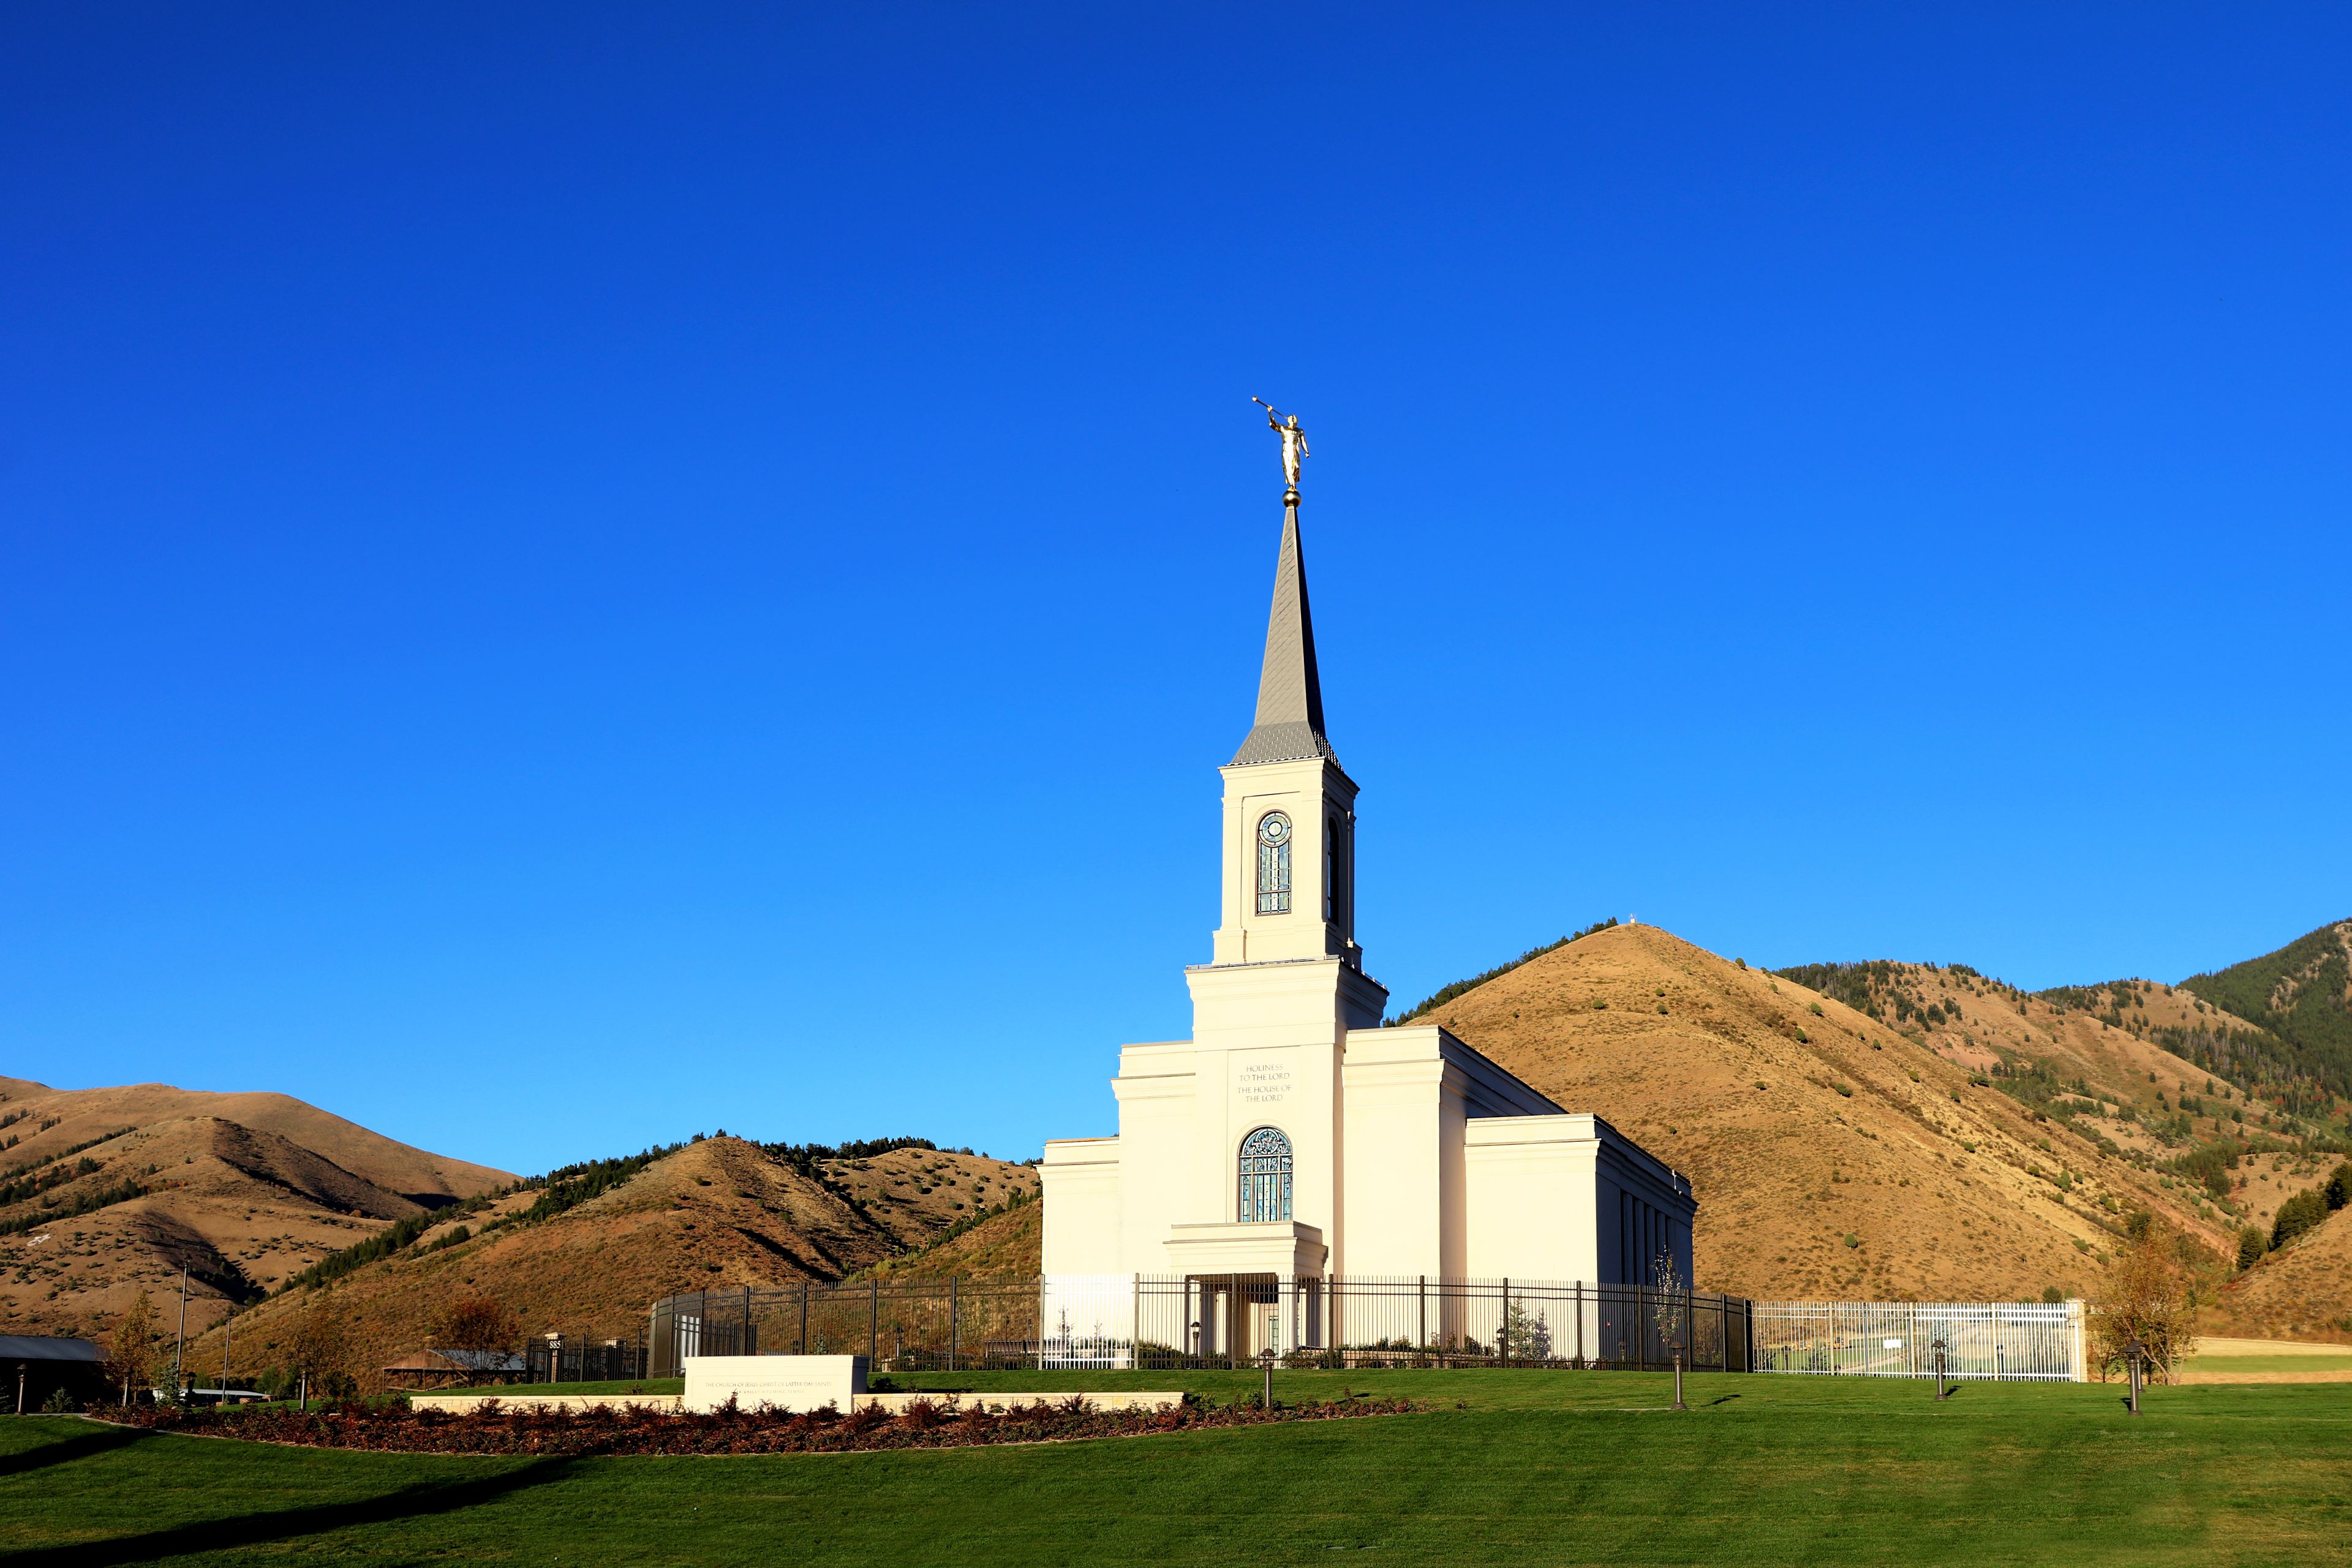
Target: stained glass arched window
x=1274 y=863
x=1264 y=1176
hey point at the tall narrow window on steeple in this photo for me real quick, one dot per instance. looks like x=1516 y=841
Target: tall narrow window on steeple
x=1274 y=863
x=1331 y=869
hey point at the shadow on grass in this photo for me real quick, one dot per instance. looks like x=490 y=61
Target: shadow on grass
x=256 y=1528
x=1725 y=1400
x=67 y=1449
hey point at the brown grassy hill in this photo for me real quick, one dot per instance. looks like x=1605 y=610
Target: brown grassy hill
x=163 y=1178
x=915 y=1194
x=1803 y=1121
x=2101 y=1058
x=2302 y=1291
x=717 y=1214
x=1009 y=1244
x=56 y=1119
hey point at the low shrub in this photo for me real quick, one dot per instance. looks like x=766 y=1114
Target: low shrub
x=945 y=1423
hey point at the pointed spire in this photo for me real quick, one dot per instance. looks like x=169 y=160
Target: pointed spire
x=1289 y=692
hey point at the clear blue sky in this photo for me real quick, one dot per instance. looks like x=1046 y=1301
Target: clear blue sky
x=573 y=576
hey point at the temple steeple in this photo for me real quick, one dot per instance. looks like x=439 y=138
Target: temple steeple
x=1289 y=725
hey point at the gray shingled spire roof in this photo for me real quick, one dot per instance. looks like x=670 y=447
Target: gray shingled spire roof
x=1289 y=693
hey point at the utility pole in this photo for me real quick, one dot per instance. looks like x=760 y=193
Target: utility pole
x=180 y=1346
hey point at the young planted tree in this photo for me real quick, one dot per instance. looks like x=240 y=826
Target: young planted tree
x=321 y=1348
x=1524 y=1335
x=132 y=1359
x=2145 y=1297
x=477 y=1325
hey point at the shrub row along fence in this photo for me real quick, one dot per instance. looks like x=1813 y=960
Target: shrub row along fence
x=2031 y=1342
x=1066 y=1321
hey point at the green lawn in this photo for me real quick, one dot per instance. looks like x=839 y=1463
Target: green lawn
x=2269 y=1363
x=1516 y=1467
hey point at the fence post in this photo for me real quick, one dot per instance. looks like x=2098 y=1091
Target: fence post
x=1423 y=1341
x=1503 y=1326
x=874 y=1325
x=1580 y=1325
x=804 y=1296
x=1135 y=1337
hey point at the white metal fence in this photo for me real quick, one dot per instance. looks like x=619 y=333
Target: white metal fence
x=2013 y=1341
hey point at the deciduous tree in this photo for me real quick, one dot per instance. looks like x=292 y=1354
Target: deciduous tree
x=476 y=1324
x=322 y=1347
x=132 y=1359
x=2145 y=1296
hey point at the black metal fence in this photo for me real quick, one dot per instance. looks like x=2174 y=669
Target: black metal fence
x=1209 y=1320
x=586 y=1358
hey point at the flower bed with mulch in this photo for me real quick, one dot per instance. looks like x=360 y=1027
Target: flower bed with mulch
x=395 y=1428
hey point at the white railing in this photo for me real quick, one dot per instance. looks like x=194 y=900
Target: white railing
x=2040 y=1341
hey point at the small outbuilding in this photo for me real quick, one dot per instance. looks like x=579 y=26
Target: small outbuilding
x=37 y=1365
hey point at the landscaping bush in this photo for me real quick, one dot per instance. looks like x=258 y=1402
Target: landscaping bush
x=945 y=1423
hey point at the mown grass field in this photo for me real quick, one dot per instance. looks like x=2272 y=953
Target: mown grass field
x=1504 y=1466
x=2286 y=1363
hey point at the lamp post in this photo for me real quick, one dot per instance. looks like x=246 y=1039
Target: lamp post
x=2133 y=1351
x=1679 y=1375
x=1939 y=1347
x=179 y=1346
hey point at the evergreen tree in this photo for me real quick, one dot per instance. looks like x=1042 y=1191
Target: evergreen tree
x=2251 y=1245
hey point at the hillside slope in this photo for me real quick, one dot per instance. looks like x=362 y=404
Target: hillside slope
x=106 y=1192
x=2299 y=1000
x=1009 y=1244
x=1804 y=1121
x=2301 y=1291
x=717 y=1214
x=55 y=1118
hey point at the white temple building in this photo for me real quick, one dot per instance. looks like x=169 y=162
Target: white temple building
x=1293 y=1141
